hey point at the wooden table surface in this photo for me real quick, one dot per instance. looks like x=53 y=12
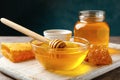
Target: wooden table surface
x=112 y=75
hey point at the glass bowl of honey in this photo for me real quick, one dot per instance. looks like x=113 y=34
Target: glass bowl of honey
x=67 y=58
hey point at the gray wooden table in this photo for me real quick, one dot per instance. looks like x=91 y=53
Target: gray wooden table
x=112 y=75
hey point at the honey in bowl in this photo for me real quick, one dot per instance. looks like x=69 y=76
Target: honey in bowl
x=67 y=58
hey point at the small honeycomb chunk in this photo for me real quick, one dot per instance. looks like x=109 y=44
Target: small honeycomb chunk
x=98 y=55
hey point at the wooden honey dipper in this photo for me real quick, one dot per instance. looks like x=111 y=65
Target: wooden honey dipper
x=52 y=43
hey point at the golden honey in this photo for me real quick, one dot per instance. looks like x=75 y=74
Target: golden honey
x=67 y=58
x=92 y=27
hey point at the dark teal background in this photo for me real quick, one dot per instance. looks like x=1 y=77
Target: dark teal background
x=39 y=15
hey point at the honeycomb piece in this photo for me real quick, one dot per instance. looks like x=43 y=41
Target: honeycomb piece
x=17 y=52
x=98 y=55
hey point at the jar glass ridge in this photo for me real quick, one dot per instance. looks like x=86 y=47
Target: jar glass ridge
x=93 y=15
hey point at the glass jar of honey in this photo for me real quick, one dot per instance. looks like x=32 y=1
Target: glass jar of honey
x=91 y=25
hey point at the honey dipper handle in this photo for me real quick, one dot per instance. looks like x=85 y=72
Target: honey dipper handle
x=24 y=30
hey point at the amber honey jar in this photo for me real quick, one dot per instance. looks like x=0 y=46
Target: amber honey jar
x=91 y=25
